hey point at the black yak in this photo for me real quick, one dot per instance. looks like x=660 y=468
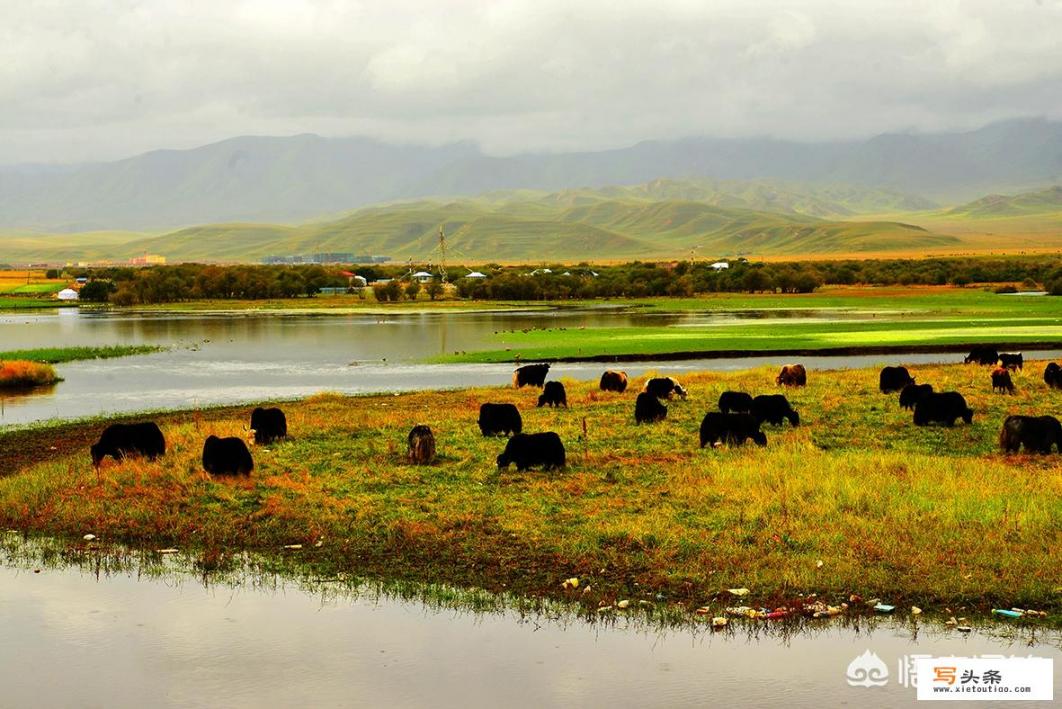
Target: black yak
x=913 y=393
x=268 y=425
x=774 y=409
x=226 y=456
x=735 y=401
x=531 y=449
x=553 y=394
x=1053 y=375
x=126 y=439
x=530 y=375
x=943 y=407
x=732 y=429
x=893 y=379
x=1011 y=360
x=497 y=419
x=982 y=355
x=1001 y=381
x=1036 y=433
x=648 y=409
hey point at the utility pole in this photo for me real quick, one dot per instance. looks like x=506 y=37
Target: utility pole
x=442 y=254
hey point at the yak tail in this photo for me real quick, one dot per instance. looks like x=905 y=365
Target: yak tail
x=516 y=380
x=1004 y=439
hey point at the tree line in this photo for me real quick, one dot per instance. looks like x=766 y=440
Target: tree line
x=175 y=283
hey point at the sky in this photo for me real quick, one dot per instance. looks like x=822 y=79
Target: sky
x=88 y=80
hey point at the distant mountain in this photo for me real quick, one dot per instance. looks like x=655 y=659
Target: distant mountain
x=1047 y=201
x=571 y=225
x=296 y=178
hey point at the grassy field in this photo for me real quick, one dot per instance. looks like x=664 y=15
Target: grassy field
x=931 y=516
x=58 y=355
x=853 y=319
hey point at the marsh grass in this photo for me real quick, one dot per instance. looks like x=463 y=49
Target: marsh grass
x=22 y=374
x=58 y=355
x=931 y=516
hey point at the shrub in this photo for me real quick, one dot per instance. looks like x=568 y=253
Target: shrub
x=22 y=373
x=413 y=289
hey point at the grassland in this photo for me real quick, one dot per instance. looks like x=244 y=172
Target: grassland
x=832 y=320
x=58 y=355
x=931 y=516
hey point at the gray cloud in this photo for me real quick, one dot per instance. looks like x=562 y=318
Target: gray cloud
x=99 y=79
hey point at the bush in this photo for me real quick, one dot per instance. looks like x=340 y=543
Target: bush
x=1004 y=290
x=22 y=373
x=413 y=289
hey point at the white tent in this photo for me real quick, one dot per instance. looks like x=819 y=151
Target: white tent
x=476 y=274
x=423 y=276
x=67 y=294
x=720 y=265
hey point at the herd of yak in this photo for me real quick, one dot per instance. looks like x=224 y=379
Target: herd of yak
x=738 y=419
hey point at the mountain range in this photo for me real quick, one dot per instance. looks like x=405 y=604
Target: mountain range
x=292 y=179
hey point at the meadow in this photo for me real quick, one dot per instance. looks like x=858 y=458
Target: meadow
x=855 y=500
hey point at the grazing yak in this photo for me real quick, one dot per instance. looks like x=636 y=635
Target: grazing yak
x=501 y=419
x=614 y=381
x=268 y=425
x=1001 y=381
x=533 y=375
x=121 y=439
x=774 y=409
x=893 y=379
x=735 y=401
x=943 y=407
x=732 y=429
x=1036 y=433
x=1053 y=375
x=913 y=393
x=664 y=388
x=527 y=450
x=553 y=394
x=227 y=456
x=792 y=375
x=1011 y=360
x=982 y=355
x=648 y=409
x=421 y=445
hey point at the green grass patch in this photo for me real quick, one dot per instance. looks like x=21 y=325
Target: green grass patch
x=930 y=516
x=58 y=355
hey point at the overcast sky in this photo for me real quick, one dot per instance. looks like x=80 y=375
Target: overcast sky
x=94 y=79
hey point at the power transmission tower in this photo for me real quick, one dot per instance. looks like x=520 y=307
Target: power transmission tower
x=442 y=254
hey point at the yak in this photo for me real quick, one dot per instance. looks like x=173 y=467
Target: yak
x=497 y=419
x=1036 y=433
x=268 y=425
x=648 y=409
x=530 y=375
x=226 y=456
x=530 y=449
x=553 y=394
x=614 y=381
x=942 y=407
x=126 y=439
x=774 y=409
x=893 y=379
x=733 y=429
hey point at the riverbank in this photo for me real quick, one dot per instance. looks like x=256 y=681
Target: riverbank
x=59 y=355
x=925 y=516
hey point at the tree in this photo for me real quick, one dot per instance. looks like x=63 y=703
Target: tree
x=96 y=291
x=51 y=273
x=435 y=289
x=413 y=289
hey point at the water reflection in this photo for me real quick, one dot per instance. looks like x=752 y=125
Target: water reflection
x=136 y=634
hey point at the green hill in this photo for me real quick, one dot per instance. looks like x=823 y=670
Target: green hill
x=573 y=225
x=1027 y=203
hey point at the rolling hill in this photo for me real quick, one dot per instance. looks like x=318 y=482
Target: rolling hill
x=1046 y=201
x=575 y=225
x=289 y=179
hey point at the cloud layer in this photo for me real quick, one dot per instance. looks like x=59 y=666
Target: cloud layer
x=103 y=79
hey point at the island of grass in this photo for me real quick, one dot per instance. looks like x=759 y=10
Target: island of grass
x=59 y=355
x=855 y=500
x=22 y=374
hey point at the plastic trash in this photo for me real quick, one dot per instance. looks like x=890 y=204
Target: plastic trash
x=89 y=537
x=738 y=591
x=623 y=604
x=703 y=610
x=964 y=629
x=884 y=608
x=1007 y=614
x=915 y=610
x=719 y=622
x=573 y=582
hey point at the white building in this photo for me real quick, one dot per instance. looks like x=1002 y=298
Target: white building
x=720 y=265
x=423 y=276
x=67 y=294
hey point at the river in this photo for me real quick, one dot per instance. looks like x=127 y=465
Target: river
x=231 y=357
